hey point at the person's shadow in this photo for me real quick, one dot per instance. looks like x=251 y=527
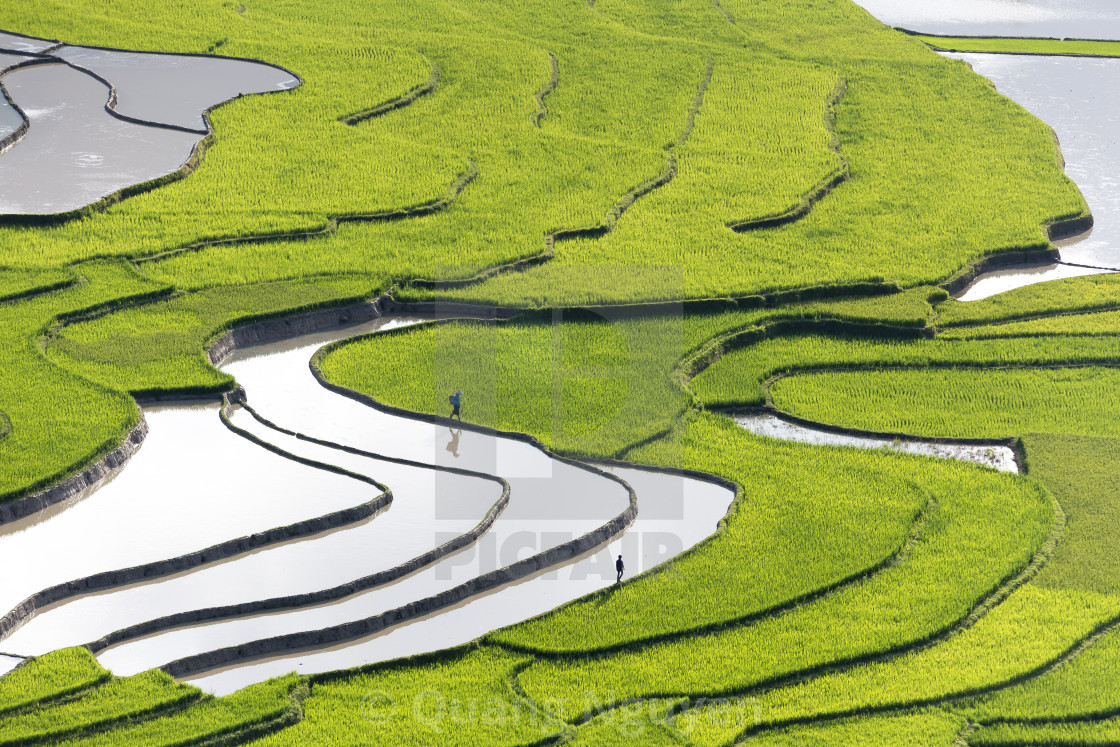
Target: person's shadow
x=453 y=444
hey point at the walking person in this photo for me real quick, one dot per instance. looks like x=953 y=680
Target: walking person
x=620 y=567
x=456 y=399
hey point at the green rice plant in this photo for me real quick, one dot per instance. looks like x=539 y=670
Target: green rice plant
x=1073 y=595
x=644 y=722
x=1031 y=628
x=669 y=127
x=1079 y=471
x=582 y=384
x=52 y=675
x=812 y=534
x=60 y=422
x=736 y=379
x=16 y=282
x=113 y=701
x=532 y=181
x=826 y=29
x=1081 y=688
x=1091 y=324
x=740 y=162
x=986 y=528
x=958 y=402
x=1077 y=733
x=613 y=376
x=461 y=697
x=909 y=308
x=266 y=706
x=158 y=347
x=856 y=237
x=1005 y=45
x=923 y=728
x=1080 y=294
x=280 y=164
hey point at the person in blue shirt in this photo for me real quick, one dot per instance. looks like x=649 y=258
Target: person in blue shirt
x=456 y=400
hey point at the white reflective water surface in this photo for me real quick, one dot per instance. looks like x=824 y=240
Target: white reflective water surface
x=1001 y=458
x=76 y=152
x=192 y=484
x=551 y=502
x=1074 y=19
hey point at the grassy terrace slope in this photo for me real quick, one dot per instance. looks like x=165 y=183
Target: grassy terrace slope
x=721 y=161
x=919 y=632
x=793 y=155
x=66 y=698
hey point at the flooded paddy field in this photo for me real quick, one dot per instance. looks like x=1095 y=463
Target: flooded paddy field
x=101 y=120
x=162 y=504
x=551 y=502
x=296 y=526
x=1092 y=19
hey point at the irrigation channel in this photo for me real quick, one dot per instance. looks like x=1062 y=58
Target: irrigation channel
x=231 y=486
x=79 y=123
x=995 y=456
x=1076 y=96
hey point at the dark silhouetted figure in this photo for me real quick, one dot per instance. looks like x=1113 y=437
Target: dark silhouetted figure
x=620 y=567
x=456 y=399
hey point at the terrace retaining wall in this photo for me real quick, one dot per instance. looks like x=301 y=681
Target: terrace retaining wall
x=84 y=480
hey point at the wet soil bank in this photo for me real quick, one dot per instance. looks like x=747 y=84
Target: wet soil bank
x=13 y=122
x=673 y=517
x=230 y=496
x=87 y=479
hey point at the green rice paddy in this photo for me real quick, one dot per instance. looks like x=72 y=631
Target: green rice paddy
x=789 y=181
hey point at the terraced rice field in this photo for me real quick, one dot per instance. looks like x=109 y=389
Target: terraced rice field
x=676 y=258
